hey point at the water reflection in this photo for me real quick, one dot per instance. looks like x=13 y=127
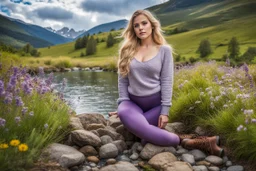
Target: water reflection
x=89 y=91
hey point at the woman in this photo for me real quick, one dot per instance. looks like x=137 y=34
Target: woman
x=145 y=81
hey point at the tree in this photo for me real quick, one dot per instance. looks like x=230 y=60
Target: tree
x=91 y=46
x=249 y=55
x=84 y=41
x=78 y=43
x=27 y=48
x=204 y=48
x=233 y=48
x=110 y=40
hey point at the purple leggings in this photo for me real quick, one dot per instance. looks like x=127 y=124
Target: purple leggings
x=140 y=116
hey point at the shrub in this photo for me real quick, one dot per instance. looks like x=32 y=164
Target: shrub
x=48 y=62
x=63 y=64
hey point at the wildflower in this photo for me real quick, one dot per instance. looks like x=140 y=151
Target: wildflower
x=8 y=98
x=46 y=126
x=197 y=102
x=212 y=105
x=24 y=110
x=201 y=93
x=240 y=128
x=2 y=122
x=245 y=68
x=41 y=71
x=225 y=106
x=31 y=113
x=192 y=107
x=17 y=119
x=248 y=112
x=4 y=146
x=1 y=88
x=15 y=142
x=50 y=79
x=253 y=120
x=23 y=147
x=19 y=102
x=180 y=86
x=245 y=129
x=26 y=87
x=216 y=78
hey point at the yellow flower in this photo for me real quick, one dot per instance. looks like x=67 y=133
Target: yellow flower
x=23 y=147
x=4 y=146
x=15 y=142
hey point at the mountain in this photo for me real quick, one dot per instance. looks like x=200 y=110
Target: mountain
x=17 y=33
x=66 y=32
x=116 y=25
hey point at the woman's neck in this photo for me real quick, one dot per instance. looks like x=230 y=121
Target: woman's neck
x=147 y=43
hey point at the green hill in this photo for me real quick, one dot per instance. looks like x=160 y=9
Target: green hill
x=217 y=21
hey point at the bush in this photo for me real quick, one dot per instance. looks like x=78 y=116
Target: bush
x=31 y=118
x=48 y=62
x=204 y=48
x=63 y=64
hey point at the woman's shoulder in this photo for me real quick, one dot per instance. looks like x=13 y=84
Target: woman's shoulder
x=166 y=48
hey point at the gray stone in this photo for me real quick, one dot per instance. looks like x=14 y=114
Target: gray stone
x=90 y=118
x=124 y=158
x=198 y=154
x=111 y=161
x=178 y=127
x=228 y=163
x=181 y=151
x=126 y=134
x=94 y=126
x=177 y=166
x=120 y=166
x=83 y=137
x=160 y=160
x=120 y=144
x=108 y=151
x=88 y=150
x=200 y=131
x=215 y=160
x=214 y=168
x=75 y=123
x=114 y=135
x=200 y=168
x=134 y=156
x=188 y=158
x=66 y=156
x=235 y=168
x=105 y=139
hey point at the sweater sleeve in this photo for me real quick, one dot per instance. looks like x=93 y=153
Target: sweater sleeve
x=166 y=81
x=123 y=83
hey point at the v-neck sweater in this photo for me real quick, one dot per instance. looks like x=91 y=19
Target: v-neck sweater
x=149 y=77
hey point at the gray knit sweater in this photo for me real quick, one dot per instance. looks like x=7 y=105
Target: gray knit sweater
x=149 y=77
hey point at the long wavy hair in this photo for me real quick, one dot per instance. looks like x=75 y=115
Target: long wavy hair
x=131 y=41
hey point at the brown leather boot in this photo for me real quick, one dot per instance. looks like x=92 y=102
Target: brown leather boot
x=187 y=136
x=207 y=144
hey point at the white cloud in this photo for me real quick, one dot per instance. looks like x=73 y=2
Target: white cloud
x=77 y=14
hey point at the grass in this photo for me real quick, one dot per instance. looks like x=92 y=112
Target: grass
x=217 y=98
x=30 y=115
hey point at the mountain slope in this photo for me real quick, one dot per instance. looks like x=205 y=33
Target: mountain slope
x=116 y=25
x=22 y=33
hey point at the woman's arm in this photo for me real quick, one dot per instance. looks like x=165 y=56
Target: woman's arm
x=123 y=83
x=166 y=78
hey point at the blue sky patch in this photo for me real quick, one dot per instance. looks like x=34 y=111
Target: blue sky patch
x=5 y=10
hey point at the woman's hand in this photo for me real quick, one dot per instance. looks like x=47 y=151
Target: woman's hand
x=162 y=121
x=112 y=114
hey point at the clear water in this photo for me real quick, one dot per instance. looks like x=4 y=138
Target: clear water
x=89 y=91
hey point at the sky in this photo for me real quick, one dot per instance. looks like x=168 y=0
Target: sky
x=76 y=14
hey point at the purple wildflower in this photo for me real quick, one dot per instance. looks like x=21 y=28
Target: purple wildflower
x=216 y=79
x=24 y=110
x=2 y=92
x=19 y=101
x=245 y=68
x=26 y=87
x=253 y=120
x=41 y=71
x=17 y=119
x=240 y=128
x=8 y=98
x=31 y=113
x=49 y=80
x=2 y=122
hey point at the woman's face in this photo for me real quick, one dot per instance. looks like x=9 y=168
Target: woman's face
x=142 y=27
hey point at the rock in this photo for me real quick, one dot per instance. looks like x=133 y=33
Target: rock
x=134 y=156
x=95 y=132
x=75 y=123
x=120 y=166
x=75 y=69
x=93 y=159
x=198 y=154
x=200 y=168
x=124 y=158
x=235 y=168
x=83 y=137
x=126 y=134
x=205 y=163
x=108 y=151
x=66 y=156
x=112 y=134
x=159 y=160
x=178 y=127
x=114 y=122
x=181 y=151
x=228 y=163
x=95 y=126
x=200 y=131
x=111 y=161
x=90 y=118
x=189 y=158
x=88 y=150
x=120 y=144
x=177 y=166
x=135 y=147
x=214 y=168
x=105 y=139
x=215 y=160
x=150 y=150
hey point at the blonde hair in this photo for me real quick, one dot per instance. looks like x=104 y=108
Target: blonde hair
x=131 y=41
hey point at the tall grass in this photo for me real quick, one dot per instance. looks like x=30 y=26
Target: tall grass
x=31 y=117
x=220 y=99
